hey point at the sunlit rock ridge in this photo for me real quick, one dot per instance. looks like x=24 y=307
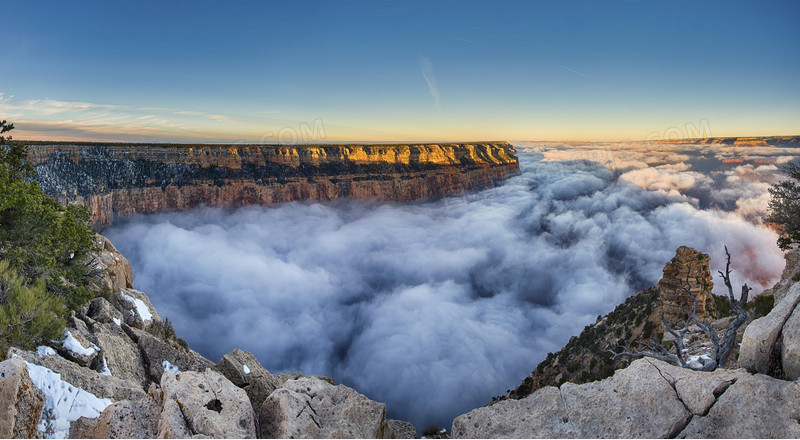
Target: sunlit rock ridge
x=115 y=180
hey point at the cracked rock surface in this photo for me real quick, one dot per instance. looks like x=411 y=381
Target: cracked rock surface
x=309 y=407
x=649 y=399
x=204 y=403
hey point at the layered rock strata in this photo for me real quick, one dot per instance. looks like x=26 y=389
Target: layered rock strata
x=117 y=180
x=688 y=269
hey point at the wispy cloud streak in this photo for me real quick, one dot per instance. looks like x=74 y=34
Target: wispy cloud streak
x=430 y=80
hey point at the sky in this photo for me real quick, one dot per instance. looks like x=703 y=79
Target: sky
x=315 y=72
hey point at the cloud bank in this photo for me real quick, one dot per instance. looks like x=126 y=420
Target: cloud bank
x=430 y=307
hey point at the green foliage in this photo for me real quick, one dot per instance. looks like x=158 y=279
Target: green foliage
x=760 y=305
x=39 y=238
x=168 y=331
x=784 y=206
x=647 y=331
x=723 y=306
x=182 y=342
x=29 y=314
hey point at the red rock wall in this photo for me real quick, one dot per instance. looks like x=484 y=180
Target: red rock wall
x=79 y=174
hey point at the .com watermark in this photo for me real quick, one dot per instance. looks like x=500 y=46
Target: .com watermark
x=690 y=130
x=302 y=133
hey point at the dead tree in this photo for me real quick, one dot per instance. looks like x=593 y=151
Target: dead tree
x=721 y=350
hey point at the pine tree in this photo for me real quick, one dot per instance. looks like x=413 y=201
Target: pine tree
x=785 y=206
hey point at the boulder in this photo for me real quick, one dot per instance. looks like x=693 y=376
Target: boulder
x=755 y=406
x=21 y=402
x=790 y=346
x=637 y=402
x=204 y=403
x=137 y=310
x=401 y=429
x=540 y=415
x=758 y=351
x=121 y=354
x=648 y=399
x=244 y=370
x=790 y=272
x=93 y=382
x=160 y=356
x=115 y=270
x=309 y=407
x=78 y=344
x=100 y=310
x=124 y=419
x=631 y=395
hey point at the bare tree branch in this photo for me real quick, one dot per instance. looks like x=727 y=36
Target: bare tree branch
x=721 y=350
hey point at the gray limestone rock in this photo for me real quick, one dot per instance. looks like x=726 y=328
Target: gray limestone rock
x=757 y=352
x=204 y=403
x=309 y=407
x=21 y=402
x=124 y=419
x=100 y=385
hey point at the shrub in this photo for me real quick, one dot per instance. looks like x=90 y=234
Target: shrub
x=29 y=314
x=723 y=306
x=39 y=238
x=182 y=342
x=647 y=331
x=760 y=305
x=784 y=206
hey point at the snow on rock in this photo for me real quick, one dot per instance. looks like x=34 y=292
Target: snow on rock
x=141 y=308
x=72 y=344
x=117 y=321
x=245 y=369
x=65 y=403
x=104 y=370
x=44 y=350
x=168 y=367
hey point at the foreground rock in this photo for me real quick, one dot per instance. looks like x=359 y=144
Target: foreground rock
x=763 y=341
x=649 y=399
x=309 y=407
x=21 y=402
x=98 y=384
x=204 y=404
x=124 y=419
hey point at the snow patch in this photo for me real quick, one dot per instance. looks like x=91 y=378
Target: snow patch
x=141 y=307
x=245 y=369
x=168 y=367
x=44 y=350
x=72 y=344
x=104 y=369
x=117 y=321
x=704 y=357
x=64 y=404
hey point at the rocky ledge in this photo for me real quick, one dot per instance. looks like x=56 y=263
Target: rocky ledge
x=119 y=371
x=120 y=179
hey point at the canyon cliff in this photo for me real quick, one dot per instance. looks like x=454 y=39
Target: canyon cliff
x=115 y=180
x=757 y=141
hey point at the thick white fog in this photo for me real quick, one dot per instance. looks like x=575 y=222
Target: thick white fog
x=435 y=307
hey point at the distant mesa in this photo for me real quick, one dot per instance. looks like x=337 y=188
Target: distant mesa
x=115 y=180
x=757 y=141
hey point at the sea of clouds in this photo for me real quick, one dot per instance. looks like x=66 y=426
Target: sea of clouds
x=434 y=307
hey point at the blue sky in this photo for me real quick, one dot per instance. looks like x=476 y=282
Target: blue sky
x=398 y=71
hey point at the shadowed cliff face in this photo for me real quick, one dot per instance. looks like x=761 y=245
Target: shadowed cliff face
x=118 y=180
